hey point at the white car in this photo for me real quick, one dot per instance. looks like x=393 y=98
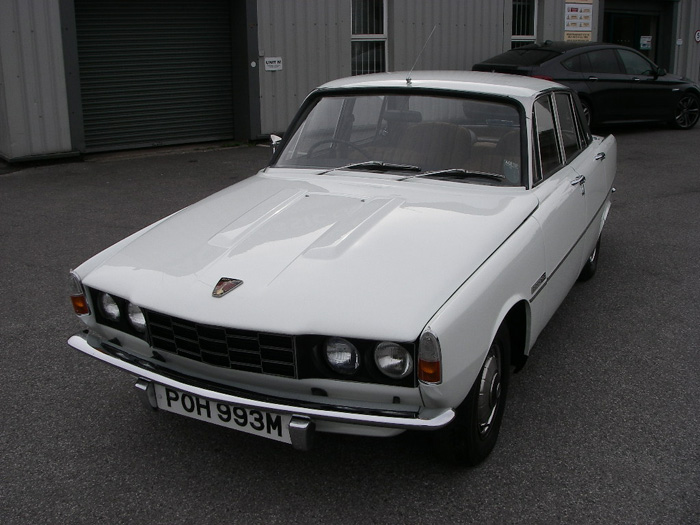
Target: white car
x=403 y=250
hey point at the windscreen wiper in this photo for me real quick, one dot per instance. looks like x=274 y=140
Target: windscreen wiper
x=458 y=173
x=375 y=165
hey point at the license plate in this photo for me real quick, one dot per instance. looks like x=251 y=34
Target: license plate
x=250 y=420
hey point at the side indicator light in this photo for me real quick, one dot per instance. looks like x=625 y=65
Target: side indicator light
x=429 y=371
x=77 y=295
x=80 y=305
x=429 y=358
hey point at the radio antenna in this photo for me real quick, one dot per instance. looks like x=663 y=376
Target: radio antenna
x=408 y=78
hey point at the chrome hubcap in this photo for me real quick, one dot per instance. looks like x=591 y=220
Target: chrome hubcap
x=489 y=390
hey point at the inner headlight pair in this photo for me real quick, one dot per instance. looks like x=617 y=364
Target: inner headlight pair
x=111 y=311
x=392 y=359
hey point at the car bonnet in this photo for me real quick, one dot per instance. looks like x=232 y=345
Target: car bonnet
x=342 y=255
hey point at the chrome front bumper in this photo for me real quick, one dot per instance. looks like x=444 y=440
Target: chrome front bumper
x=301 y=426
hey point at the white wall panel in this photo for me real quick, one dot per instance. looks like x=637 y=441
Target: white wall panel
x=688 y=52
x=313 y=39
x=33 y=104
x=466 y=32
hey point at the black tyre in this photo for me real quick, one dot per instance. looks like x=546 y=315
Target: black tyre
x=591 y=265
x=687 y=111
x=471 y=436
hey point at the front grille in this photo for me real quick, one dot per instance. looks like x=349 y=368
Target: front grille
x=258 y=352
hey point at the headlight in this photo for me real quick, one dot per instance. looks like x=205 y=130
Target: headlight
x=108 y=307
x=341 y=355
x=393 y=360
x=136 y=318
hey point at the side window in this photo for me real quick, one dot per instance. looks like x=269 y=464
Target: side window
x=547 y=140
x=604 y=61
x=635 y=64
x=570 y=132
x=573 y=63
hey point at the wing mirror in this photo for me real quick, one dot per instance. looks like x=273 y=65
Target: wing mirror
x=274 y=142
x=660 y=72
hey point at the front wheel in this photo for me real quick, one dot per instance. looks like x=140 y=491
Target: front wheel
x=687 y=112
x=471 y=436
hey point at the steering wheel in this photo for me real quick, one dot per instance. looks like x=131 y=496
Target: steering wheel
x=314 y=146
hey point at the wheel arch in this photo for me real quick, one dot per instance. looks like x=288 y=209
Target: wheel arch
x=518 y=321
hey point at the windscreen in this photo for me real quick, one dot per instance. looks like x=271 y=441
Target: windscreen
x=424 y=131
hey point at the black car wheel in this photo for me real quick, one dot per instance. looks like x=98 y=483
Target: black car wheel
x=687 y=111
x=471 y=436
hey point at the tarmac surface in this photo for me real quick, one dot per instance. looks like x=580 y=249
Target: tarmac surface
x=602 y=425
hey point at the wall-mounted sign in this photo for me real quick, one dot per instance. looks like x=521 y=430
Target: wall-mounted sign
x=697 y=36
x=578 y=21
x=644 y=42
x=273 y=63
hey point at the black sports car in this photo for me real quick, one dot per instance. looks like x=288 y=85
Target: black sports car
x=615 y=83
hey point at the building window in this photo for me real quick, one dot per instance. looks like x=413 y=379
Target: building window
x=524 y=22
x=368 y=36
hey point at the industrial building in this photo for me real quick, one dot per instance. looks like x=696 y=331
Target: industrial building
x=84 y=76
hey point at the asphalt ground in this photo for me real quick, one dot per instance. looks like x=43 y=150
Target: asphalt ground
x=601 y=426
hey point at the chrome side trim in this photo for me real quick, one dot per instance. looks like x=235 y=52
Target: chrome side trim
x=424 y=419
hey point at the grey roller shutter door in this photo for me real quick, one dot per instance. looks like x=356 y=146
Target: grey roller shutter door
x=154 y=72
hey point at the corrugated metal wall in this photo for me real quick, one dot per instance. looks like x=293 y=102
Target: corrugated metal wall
x=466 y=32
x=313 y=39
x=33 y=105
x=550 y=20
x=688 y=53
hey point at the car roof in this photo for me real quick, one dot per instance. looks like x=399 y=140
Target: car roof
x=463 y=81
x=563 y=47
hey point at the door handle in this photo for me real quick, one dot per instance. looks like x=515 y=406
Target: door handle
x=593 y=78
x=580 y=181
x=600 y=156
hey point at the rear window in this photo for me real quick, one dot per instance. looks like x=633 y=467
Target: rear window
x=524 y=57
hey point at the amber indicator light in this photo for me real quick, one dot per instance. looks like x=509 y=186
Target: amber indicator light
x=80 y=305
x=429 y=371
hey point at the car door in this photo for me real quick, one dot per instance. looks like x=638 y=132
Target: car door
x=606 y=82
x=561 y=213
x=648 y=95
x=593 y=159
